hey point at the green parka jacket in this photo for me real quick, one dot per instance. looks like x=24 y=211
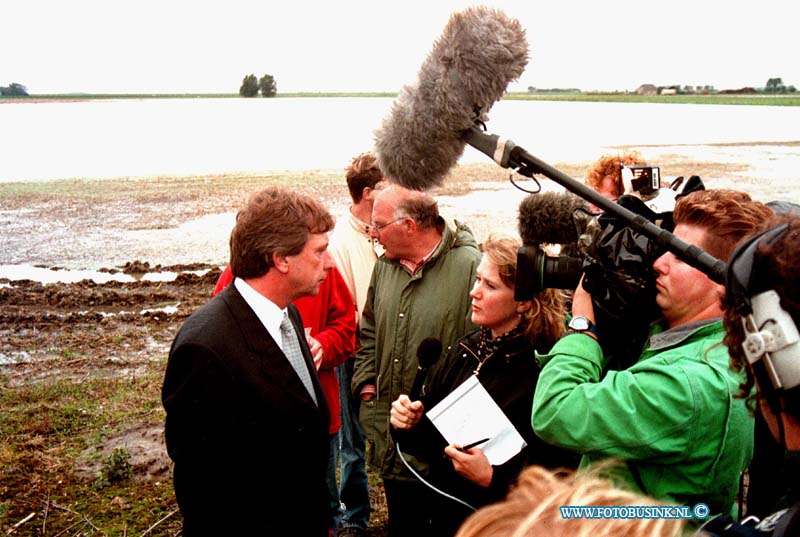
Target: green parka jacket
x=672 y=417
x=401 y=310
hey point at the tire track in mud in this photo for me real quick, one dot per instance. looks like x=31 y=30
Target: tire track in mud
x=93 y=328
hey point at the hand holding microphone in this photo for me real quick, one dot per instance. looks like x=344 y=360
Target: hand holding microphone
x=405 y=413
x=407 y=410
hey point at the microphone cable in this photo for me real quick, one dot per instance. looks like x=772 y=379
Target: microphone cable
x=446 y=495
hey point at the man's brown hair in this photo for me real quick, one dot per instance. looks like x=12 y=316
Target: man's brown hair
x=363 y=172
x=728 y=215
x=274 y=221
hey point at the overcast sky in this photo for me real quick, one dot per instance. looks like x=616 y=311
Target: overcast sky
x=175 y=46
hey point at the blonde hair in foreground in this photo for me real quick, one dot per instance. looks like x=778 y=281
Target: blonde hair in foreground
x=532 y=509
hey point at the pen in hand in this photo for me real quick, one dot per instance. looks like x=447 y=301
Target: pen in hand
x=474 y=444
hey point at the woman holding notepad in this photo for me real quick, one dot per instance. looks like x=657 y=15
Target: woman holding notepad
x=501 y=355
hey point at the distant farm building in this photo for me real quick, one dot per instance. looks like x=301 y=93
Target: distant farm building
x=647 y=89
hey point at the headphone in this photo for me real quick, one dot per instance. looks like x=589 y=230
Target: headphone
x=772 y=341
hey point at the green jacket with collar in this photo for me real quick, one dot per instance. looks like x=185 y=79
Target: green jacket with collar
x=672 y=418
x=400 y=311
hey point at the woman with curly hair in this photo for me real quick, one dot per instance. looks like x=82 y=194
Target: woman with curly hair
x=501 y=353
x=605 y=177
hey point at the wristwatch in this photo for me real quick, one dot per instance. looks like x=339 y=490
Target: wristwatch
x=582 y=324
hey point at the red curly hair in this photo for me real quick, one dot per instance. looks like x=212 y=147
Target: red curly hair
x=606 y=175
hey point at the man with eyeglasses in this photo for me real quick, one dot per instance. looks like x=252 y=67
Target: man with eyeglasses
x=419 y=289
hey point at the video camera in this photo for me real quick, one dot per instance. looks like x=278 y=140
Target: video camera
x=623 y=224
x=614 y=260
x=640 y=179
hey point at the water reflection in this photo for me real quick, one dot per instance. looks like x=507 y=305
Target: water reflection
x=106 y=139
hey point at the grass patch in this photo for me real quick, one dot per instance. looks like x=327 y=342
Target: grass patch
x=751 y=100
x=227 y=190
x=760 y=99
x=143 y=188
x=45 y=426
x=106 y=96
x=356 y=94
x=116 y=467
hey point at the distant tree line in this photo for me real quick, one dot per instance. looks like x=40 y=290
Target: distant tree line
x=251 y=86
x=14 y=90
x=534 y=90
x=774 y=85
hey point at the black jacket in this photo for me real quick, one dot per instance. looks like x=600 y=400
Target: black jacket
x=509 y=375
x=250 y=446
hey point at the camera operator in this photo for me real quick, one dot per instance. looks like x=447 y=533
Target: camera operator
x=762 y=311
x=671 y=416
x=614 y=258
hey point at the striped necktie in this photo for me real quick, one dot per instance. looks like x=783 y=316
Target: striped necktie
x=291 y=348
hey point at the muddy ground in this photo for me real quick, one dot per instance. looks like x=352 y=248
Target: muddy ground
x=86 y=331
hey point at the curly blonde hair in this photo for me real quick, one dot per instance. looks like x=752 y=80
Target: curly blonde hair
x=532 y=508
x=543 y=322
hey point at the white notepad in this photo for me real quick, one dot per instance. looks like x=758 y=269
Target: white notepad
x=470 y=414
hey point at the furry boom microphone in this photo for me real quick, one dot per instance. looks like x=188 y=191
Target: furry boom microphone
x=479 y=53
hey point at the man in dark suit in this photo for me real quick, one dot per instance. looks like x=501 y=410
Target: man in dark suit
x=247 y=423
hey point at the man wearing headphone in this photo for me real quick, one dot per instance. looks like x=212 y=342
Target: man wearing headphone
x=762 y=313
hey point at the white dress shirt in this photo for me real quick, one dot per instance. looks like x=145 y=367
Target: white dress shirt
x=266 y=310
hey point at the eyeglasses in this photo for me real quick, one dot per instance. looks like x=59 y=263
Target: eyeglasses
x=379 y=227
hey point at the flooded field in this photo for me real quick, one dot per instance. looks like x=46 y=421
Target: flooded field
x=96 y=276
x=75 y=253
x=94 y=224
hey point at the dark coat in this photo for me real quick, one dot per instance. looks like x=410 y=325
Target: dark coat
x=509 y=376
x=250 y=446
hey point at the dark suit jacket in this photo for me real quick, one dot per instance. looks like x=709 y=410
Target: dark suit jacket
x=250 y=446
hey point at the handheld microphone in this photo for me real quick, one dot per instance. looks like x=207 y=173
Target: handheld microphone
x=480 y=51
x=428 y=353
